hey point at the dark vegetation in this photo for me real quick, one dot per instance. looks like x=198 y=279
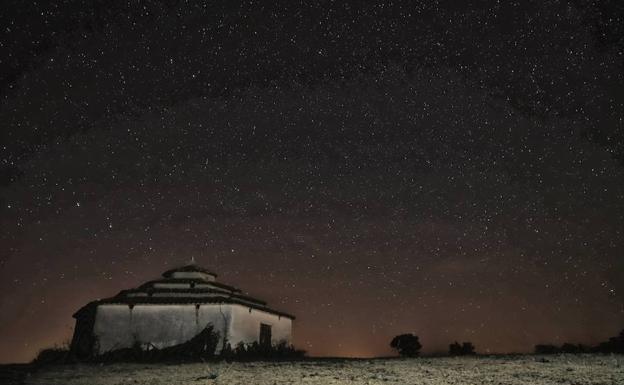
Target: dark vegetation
x=407 y=345
x=256 y=351
x=613 y=345
x=465 y=349
x=55 y=355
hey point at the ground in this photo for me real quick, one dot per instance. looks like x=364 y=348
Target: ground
x=503 y=370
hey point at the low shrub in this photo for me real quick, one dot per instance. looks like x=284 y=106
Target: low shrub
x=254 y=351
x=52 y=356
x=407 y=345
x=465 y=349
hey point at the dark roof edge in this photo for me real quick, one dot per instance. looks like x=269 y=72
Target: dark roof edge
x=173 y=300
x=191 y=280
x=149 y=291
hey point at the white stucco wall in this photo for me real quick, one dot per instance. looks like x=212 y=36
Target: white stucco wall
x=117 y=326
x=245 y=326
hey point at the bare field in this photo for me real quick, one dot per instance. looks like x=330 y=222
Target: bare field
x=537 y=370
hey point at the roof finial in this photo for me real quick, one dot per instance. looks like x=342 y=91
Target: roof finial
x=192 y=262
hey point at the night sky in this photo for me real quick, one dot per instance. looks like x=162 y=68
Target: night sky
x=449 y=168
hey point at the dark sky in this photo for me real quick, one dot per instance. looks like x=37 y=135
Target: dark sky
x=451 y=170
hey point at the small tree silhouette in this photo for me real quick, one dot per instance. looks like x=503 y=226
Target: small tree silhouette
x=465 y=349
x=407 y=345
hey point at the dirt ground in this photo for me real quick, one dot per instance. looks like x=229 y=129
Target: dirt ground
x=510 y=370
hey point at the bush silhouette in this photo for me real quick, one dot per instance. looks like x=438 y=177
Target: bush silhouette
x=547 y=349
x=465 y=349
x=573 y=348
x=281 y=351
x=53 y=356
x=614 y=345
x=407 y=345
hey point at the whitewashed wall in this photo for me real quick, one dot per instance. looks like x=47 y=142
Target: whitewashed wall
x=245 y=325
x=118 y=326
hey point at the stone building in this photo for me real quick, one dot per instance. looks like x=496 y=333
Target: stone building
x=174 y=309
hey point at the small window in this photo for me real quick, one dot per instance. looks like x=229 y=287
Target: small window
x=265 y=335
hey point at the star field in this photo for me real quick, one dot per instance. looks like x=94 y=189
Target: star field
x=455 y=171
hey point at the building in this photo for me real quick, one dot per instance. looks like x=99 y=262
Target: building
x=174 y=309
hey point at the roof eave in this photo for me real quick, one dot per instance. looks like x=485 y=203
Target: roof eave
x=173 y=300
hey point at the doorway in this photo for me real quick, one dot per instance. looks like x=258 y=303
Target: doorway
x=265 y=335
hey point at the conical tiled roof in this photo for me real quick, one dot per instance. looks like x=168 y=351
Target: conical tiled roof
x=190 y=268
x=184 y=285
